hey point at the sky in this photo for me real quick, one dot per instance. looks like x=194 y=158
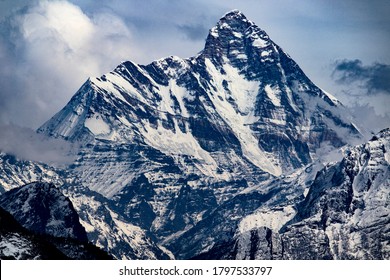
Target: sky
x=48 y=49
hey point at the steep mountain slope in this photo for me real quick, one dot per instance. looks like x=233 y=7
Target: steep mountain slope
x=349 y=204
x=50 y=226
x=345 y=215
x=17 y=243
x=270 y=204
x=109 y=229
x=43 y=209
x=15 y=172
x=242 y=99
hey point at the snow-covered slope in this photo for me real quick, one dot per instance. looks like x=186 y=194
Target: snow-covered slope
x=271 y=204
x=111 y=231
x=33 y=204
x=343 y=214
x=15 y=172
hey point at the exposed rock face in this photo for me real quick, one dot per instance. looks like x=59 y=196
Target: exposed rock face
x=43 y=209
x=43 y=225
x=348 y=204
x=17 y=243
x=345 y=214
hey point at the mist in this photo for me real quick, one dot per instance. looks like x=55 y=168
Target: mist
x=26 y=144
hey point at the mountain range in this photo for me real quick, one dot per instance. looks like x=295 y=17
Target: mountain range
x=223 y=155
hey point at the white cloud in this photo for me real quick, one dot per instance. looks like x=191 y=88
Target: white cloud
x=60 y=20
x=59 y=36
x=57 y=47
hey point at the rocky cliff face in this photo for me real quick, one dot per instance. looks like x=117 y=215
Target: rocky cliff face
x=17 y=243
x=348 y=204
x=343 y=214
x=39 y=222
x=43 y=209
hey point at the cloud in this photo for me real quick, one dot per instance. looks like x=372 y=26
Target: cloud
x=365 y=89
x=194 y=32
x=9 y=5
x=26 y=144
x=374 y=78
x=368 y=119
x=47 y=51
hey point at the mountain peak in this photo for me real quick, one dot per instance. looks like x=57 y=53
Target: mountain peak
x=235 y=37
x=233 y=21
x=234 y=15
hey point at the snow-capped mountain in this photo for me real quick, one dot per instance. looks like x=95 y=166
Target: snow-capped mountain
x=242 y=99
x=233 y=115
x=215 y=156
x=104 y=226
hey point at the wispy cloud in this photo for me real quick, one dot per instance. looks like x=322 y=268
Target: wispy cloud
x=194 y=32
x=374 y=78
x=369 y=119
x=26 y=144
